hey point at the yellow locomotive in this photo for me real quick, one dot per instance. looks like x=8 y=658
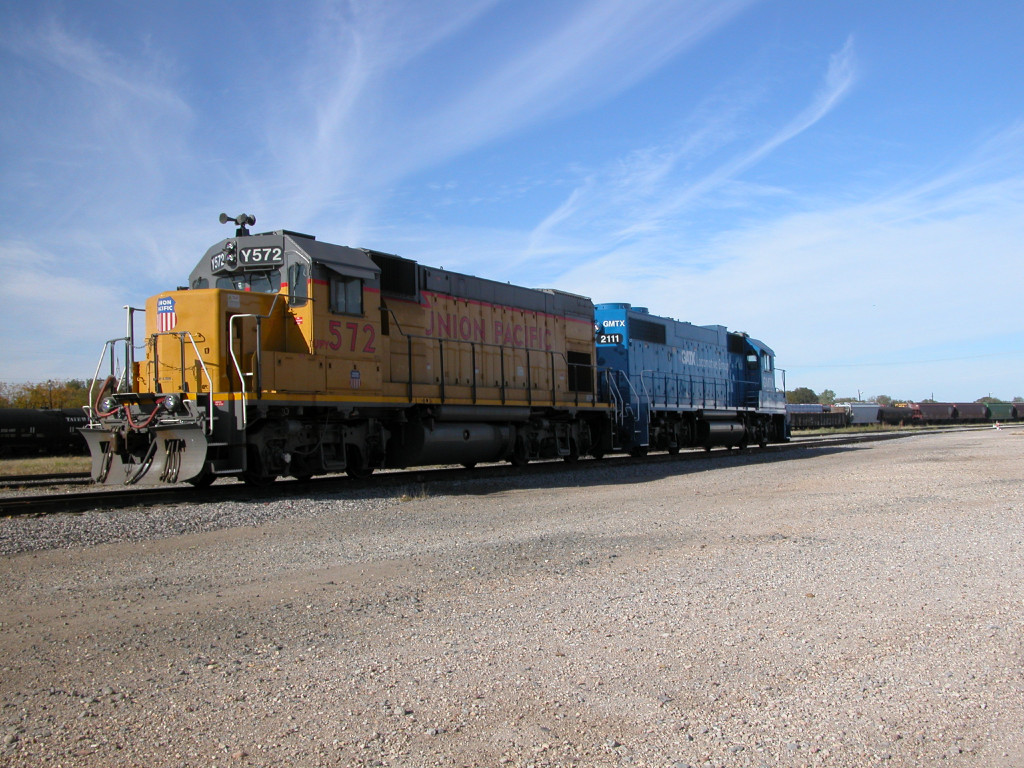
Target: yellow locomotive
x=287 y=356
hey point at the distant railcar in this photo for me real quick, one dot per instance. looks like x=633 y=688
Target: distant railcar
x=936 y=413
x=815 y=416
x=865 y=413
x=968 y=412
x=896 y=414
x=1002 y=411
x=39 y=431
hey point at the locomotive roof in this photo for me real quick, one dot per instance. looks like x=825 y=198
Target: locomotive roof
x=710 y=333
x=274 y=249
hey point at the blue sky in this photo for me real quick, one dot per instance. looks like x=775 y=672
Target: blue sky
x=843 y=180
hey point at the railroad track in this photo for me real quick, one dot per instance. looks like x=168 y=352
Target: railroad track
x=42 y=481
x=121 y=498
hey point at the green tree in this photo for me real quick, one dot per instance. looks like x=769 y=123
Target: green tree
x=883 y=400
x=53 y=393
x=801 y=395
x=988 y=399
x=827 y=397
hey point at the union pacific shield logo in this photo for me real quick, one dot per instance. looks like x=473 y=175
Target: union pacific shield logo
x=166 y=318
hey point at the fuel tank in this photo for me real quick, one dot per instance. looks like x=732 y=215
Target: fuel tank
x=727 y=433
x=451 y=443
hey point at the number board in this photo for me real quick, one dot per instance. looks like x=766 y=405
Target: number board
x=247 y=257
x=260 y=257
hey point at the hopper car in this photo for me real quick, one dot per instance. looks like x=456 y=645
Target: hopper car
x=288 y=356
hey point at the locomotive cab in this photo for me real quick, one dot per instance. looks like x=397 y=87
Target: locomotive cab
x=264 y=318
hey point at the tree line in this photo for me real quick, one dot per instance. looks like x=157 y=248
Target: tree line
x=828 y=397
x=52 y=393
x=74 y=393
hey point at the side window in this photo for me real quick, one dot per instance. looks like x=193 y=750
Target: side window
x=298 y=285
x=346 y=295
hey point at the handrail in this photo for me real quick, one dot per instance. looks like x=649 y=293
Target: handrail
x=259 y=352
x=618 y=401
x=676 y=378
x=441 y=343
x=96 y=373
x=202 y=364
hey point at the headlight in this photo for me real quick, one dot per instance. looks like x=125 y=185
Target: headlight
x=172 y=402
x=108 y=405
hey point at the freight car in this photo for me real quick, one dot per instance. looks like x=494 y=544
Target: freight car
x=287 y=356
x=966 y=413
x=935 y=413
x=1002 y=411
x=36 y=431
x=814 y=416
x=895 y=414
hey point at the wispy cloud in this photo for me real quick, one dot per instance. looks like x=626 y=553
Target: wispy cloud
x=602 y=49
x=360 y=138
x=110 y=126
x=80 y=58
x=644 y=193
x=332 y=154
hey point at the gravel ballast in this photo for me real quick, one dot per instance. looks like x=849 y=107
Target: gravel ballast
x=849 y=606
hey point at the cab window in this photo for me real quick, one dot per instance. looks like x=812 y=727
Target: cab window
x=258 y=282
x=298 y=285
x=346 y=295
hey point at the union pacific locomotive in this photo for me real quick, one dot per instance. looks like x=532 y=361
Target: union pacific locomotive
x=287 y=356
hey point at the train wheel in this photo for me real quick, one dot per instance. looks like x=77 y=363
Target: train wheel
x=256 y=480
x=574 y=453
x=254 y=474
x=354 y=464
x=520 y=458
x=204 y=479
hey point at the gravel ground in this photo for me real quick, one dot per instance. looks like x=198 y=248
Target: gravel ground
x=838 y=607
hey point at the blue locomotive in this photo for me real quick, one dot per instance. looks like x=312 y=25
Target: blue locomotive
x=677 y=385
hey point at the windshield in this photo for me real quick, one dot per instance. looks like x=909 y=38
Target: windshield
x=259 y=282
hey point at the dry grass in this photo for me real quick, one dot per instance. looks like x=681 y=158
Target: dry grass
x=44 y=465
